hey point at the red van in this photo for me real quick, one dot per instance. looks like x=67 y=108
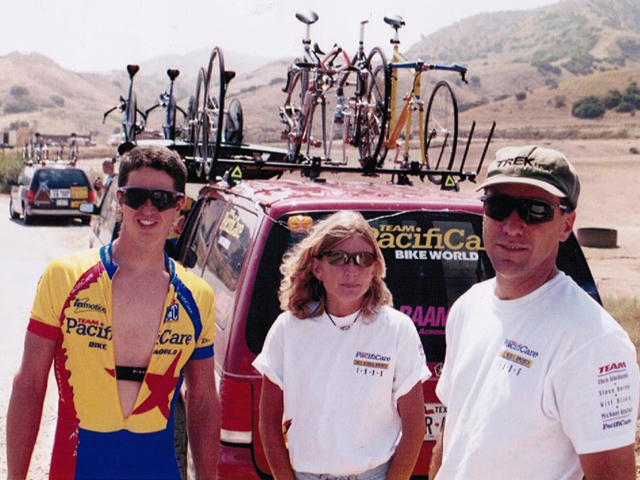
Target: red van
x=235 y=238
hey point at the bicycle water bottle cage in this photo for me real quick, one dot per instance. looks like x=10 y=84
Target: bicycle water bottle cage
x=307 y=16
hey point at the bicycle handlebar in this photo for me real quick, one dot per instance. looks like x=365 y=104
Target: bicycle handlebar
x=327 y=62
x=423 y=67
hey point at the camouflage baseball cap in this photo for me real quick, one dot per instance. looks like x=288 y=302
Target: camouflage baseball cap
x=541 y=167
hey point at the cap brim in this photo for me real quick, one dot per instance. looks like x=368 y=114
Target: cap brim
x=547 y=187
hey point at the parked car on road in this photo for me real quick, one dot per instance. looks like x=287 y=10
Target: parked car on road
x=235 y=237
x=54 y=189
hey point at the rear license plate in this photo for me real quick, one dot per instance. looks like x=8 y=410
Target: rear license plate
x=60 y=193
x=79 y=192
x=434 y=414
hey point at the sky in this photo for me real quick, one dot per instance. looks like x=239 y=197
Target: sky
x=90 y=35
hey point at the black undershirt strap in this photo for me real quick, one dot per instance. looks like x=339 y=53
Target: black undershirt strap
x=135 y=374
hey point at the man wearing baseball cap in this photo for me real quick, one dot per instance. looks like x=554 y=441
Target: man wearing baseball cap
x=539 y=381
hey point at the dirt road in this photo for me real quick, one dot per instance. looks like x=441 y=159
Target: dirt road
x=24 y=252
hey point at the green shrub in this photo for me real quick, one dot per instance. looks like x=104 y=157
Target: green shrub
x=57 y=100
x=18 y=91
x=612 y=99
x=625 y=107
x=588 y=107
x=10 y=168
x=20 y=105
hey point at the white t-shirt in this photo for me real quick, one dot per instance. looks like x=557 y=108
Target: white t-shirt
x=341 y=387
x=532 y=382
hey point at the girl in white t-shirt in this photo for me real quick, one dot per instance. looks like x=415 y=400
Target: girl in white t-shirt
x=342 y=370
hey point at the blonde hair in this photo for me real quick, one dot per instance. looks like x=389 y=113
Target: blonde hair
x=302 y=293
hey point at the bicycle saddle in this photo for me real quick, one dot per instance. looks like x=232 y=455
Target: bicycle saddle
x=396 y=21
x=307 y=16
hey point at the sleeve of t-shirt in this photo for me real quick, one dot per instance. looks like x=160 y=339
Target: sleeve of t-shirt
x=48 y=302
x=206 y=306
x=594 y=393
x=411 y=365
x=270 y=362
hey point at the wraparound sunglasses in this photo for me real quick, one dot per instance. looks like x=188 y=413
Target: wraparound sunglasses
x=531 y=210
x=135 y=197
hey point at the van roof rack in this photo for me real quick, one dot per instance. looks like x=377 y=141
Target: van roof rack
x=236 y=162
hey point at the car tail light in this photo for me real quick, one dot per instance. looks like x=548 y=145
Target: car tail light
x=31 y=197
x=235 y=398
x=91 y=195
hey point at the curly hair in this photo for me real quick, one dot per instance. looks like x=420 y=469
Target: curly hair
x=302 y=293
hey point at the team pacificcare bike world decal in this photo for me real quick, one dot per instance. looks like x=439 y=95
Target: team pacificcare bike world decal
x=412 y=242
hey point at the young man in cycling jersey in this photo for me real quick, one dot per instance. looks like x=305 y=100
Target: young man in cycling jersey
x=124 y=325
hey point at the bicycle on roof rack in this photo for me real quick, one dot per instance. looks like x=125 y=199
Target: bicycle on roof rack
x=308 y=82
x=131 y=127
x=362 y=104
x=167 y=101
x=207 y=113
x=437 y=129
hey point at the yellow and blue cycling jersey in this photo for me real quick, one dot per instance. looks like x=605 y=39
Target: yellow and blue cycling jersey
x=93 y=438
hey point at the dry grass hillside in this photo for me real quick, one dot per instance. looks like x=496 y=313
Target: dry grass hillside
x=526 y=70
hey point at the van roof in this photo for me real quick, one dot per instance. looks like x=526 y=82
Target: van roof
x=277 y=197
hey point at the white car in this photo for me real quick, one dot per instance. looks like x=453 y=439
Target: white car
x=52 y=190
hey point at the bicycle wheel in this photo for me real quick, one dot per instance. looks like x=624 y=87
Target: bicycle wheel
x=234 y=125
x=441 y=130
x=372 y=120
x=200 y=138
x=190 y=120
x=293 y=118
x=214 y=108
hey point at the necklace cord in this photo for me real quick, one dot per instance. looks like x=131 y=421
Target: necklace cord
x=345 y=327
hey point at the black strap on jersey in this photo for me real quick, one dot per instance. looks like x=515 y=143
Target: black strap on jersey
x=135 y=374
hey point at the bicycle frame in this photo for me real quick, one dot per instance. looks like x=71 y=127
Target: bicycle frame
x=323 y=81
x=343 y=114
x=130 y=109
x=412 y=101
x=166 y=101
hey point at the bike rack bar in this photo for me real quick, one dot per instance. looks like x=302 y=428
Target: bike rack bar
x=486 y=146
x=466 y=150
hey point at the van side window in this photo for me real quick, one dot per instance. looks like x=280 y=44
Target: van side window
x=227 y=254
x=202 y=237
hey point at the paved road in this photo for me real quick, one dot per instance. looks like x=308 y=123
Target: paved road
x=24 y=252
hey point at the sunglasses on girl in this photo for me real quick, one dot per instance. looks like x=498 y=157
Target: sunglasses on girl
x=531 y=210
x=135 y=197
x=338 y=258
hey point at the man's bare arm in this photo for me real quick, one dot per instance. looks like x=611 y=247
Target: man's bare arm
x=25 y=406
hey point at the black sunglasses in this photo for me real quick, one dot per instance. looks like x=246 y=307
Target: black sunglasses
x=135 y=197
x=338 y=258
x=531 y=210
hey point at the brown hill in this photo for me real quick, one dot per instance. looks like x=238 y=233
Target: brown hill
x=526 y=69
